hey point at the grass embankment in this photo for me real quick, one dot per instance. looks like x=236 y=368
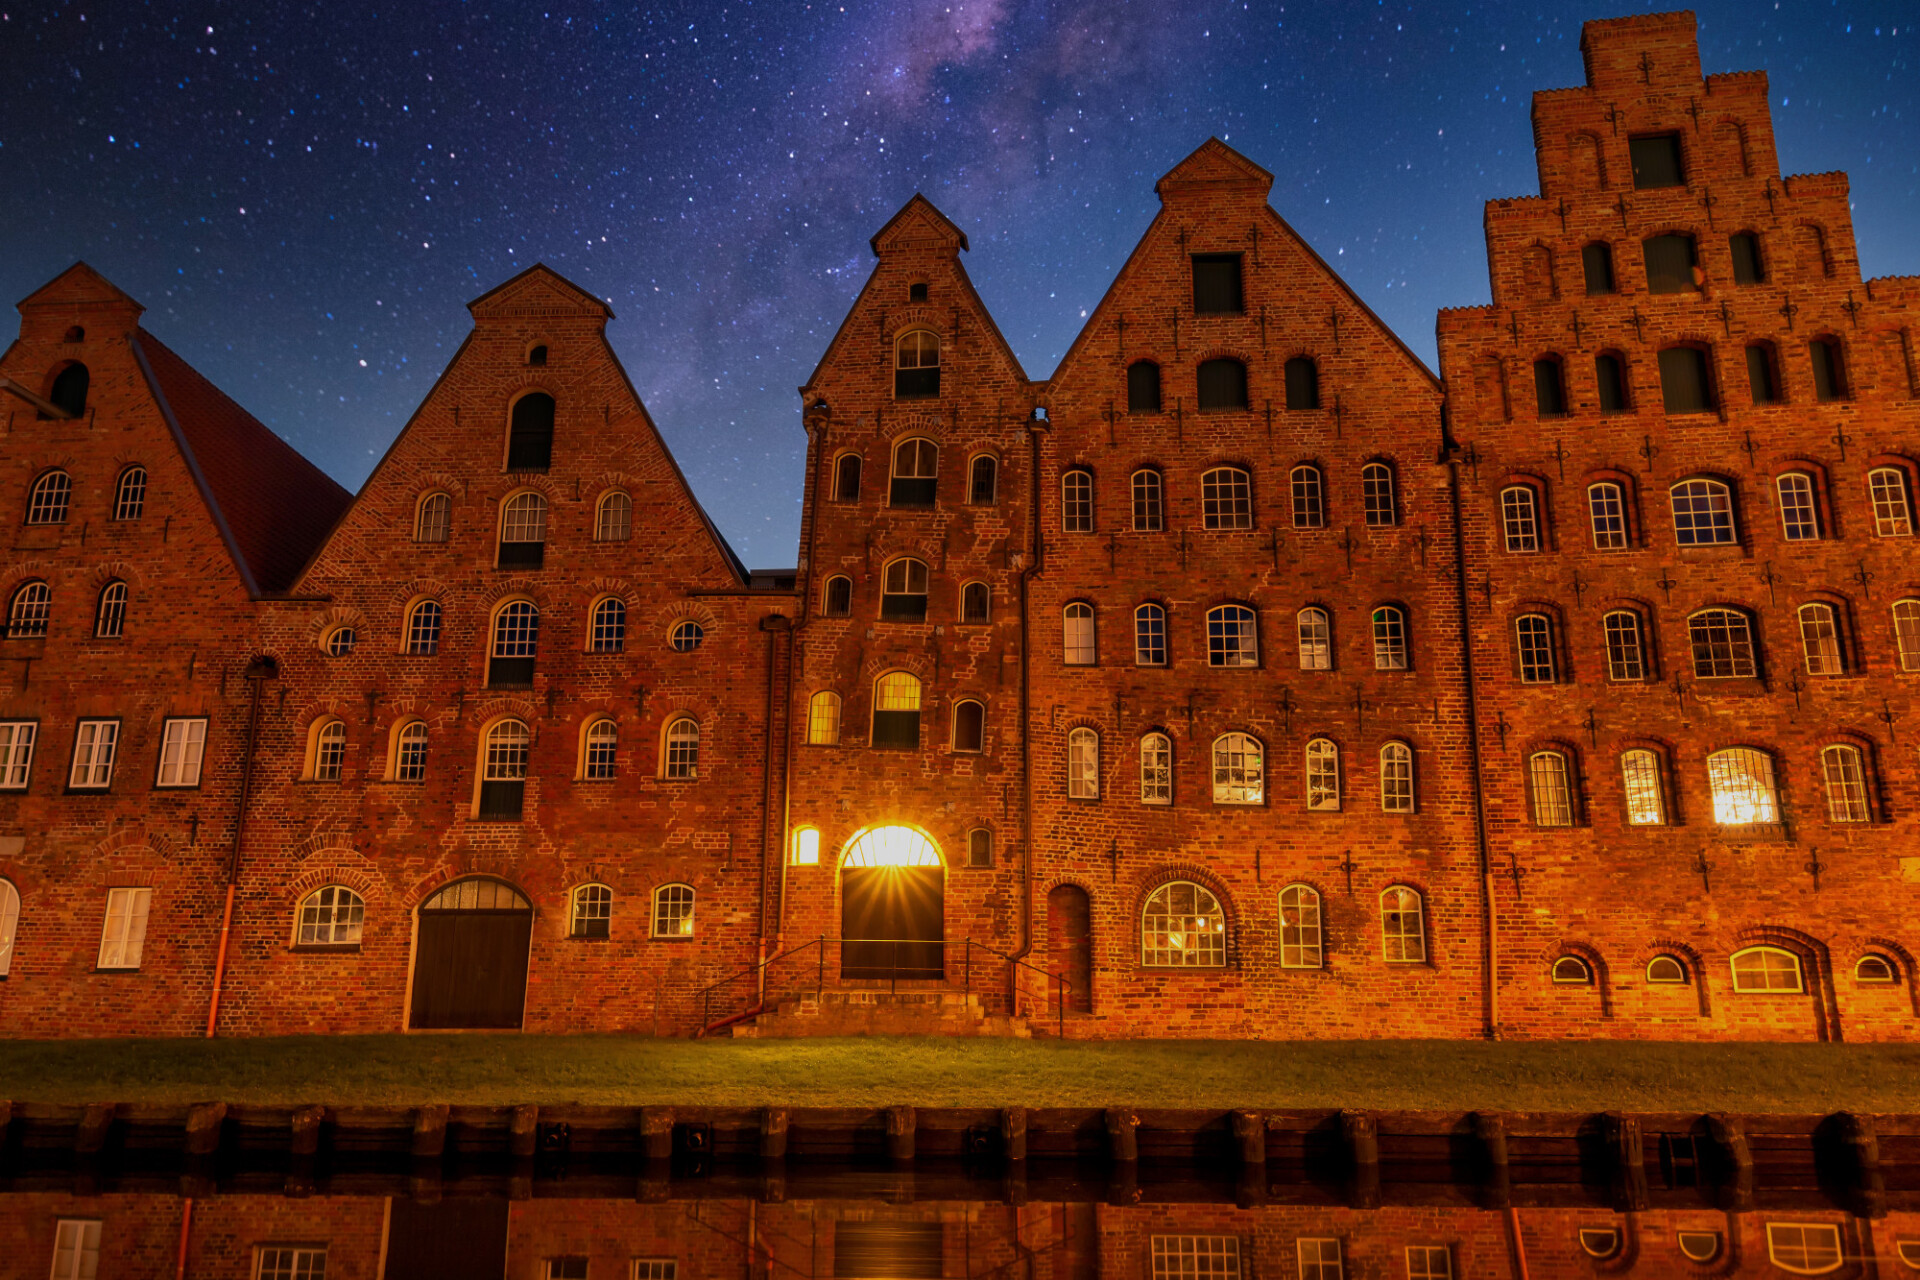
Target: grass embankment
x=394 y=1070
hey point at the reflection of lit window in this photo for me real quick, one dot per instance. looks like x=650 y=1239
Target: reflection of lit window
x=1804 y=1248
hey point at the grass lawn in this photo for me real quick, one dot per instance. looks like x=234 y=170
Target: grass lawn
x=397 y=1070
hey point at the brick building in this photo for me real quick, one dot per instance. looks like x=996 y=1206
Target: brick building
x=1243 y=677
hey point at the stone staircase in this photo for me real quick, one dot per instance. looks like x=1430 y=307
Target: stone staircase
x=881 y=1013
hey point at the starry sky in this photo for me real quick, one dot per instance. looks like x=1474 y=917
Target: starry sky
x=305 y=195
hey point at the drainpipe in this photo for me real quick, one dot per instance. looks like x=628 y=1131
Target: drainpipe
x=186 y=1232
x=816 y=417
x=774 y=624
x=1036 y=427
x=1490 y=1027
x=259 y=671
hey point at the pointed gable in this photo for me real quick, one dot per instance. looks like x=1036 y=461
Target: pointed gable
x=918 y=225
x=79 y=287
x=537 y=292
x=1215 y=166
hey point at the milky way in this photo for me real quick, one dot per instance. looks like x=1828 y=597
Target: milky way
x=304 y=196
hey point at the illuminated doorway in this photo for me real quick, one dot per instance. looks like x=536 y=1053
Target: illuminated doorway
x=892 y=906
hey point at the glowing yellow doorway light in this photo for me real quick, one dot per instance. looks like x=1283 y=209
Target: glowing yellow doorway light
x=891 y=847
x=806 y=847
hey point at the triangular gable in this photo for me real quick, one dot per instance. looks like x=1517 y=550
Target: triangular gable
x=79 y=286
x=1214 y=164
x=538 y=291
x=918 y=225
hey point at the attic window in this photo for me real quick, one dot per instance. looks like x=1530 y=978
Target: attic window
x=537 y=356
x=1216 y=284
x=76 y=334
x=1656 y=161
x=917 y=291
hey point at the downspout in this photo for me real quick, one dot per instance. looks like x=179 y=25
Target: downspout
x=259 y=671
x=1491 y=978
x=1036 y=427
x=773 y=624
x=818 y=415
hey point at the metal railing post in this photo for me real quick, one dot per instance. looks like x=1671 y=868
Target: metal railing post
x=969 y=966
x=1061 y=1031
x=820 y=978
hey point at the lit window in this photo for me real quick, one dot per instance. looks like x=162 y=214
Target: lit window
x=1571 y=971
x=896 y=712
x=130 y=494
x=9 y=922
x=916 y=365
x=686 y=635
x=1403 y=931
x=30 y=611
x=823 y=719
x=1150 y=636
x=1083 y=765
x=1183 y=927
x=1892 y=506
x=1323 y=776
x=182 y=744
x=1626 y=653
x=1520 y=517
x=330 y=917
x=1722 y=643
x=1799 y=516
x=516 y=642
x=1076 y=502
x=976 y=601
x=329 y=751
x=503 y=777
x=607 y=627
x=434 y=521
x=110 y=616
x=614 y=521
x=1309 y=498
x=1666 y=971
x=983 y=480
x=1552 y=789
x=1156 y=769
x=123 y=937
x=1232 y=640
x=423 y=629
x=1906 y=632
x=603 y=742
x=903 y=592
x=1820 y=640
x=683 y=750
x=969 y=726
x=1389 y=639
x=1396 y=778
x=837 y=600
x=916 y=470
x=48 y=500
x=16 y=753
x=592 y=911
x=1804 y=1248
x=1239 y=770
x=1702 y=513
x=1741 y=780
x=1301 y=940
x=673 y=911
x=1533 y=640
x=1846 y=776
x=1646 y=796
x=1316 y=640
x=806 y=847
x=1077 y=635
x=1226 y=499
x=76 y=1249
x=1873 y=970
x=523 y=532
x=93 y=749
x=1429 y=1262
x=1149 y=515
x=410 y=753
x=1607 y=510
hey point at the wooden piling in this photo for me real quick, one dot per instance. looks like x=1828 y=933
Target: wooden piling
x=1123 y=1137
x=901 y=1126
x=656 y=1133
x=205 y=1122
x=429 y=1132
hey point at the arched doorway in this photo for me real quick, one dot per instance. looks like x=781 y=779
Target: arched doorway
x=892 y=906
x=470 y=960
x=1070 y=946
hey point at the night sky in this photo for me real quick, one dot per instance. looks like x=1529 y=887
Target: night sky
x=304 y=196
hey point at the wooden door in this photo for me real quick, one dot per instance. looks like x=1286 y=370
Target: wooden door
x=470 y=963
x=1070 y=946
x=893 y=922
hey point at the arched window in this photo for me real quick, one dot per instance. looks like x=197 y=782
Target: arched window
x=976 y=600
x=1403 y=928
x=516 y=641
x=1741 y=780
x=1309 y=498
x=681 y=758
x=1906 y=633
x=1150 y=636
x=1845 y=771
x=916 y=365
x=1316 y=639
x=1520 y=517
x=600 y=748
x=613 y=522
x=1804 y=1248
x=1083 y=765
x=410 y=752
x=1156 y=769
x=1076 y=640
x=1610 y=380
x=537 y=355
x=673 y=911
x=28 y=614
x=1722 y=643
x=1829 y=369
x=592 y=912
x=969 y=726
x=1549 y=387
x=1149 y=511
x=423 y=629
x=1303 y=383
x=329 y=751
x=1223 y=384
x=110 y=615
x=1226 y=499
x=983 y=480
x=1626 y=647
x=1644 y=787
x=523 y=532
x=1183 y=927
x=49 y=498
x=433 y=521
x=823 y=719
x=1767 y=969
x=1323 y=776
x=530 y=436
x=916 y=471
x=1671 y=261
x=1892 y=503
x=1534 y=649
x=607 y=626
x=836 y=601
x=1389 y=638
x=1820 y=640
x=896 y=712
x=9 y=923
x=1667 y=970
x=1799 y=508
x=340 y=641
x=1377 y=493
x=979 y=847
x=503 y=771
x=1596 y=261
x=1872 y=970
x=330 y=916
x=130 y=494
x=903 y=592
x=1551 y=776
x=1396 y=778
x=69 y=390
x=1239 y=770
x=1607 y=515
x=1302 y=944
x=1143 y=387
x=1076 y=501
x=1233 y=639
x=686 y=636
x=1573 y=971
x=846 y=478
x=1686 y=381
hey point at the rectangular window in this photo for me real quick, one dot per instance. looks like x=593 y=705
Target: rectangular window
x=1640 y=773
x=1892 y=513
x=1684 y=386
x=1195 y=1257
x=1319 y=1259
x=1147 y=512
x=291 y=1262
x=1761 y=382
x=1216 y=284
x=1611 y=383
x=124 y=935
x=1906 y=633
x=566 y=1269
x=1746 y=258
x=1429 y=1262
x=1626 y=659
x=1656 y=161
x=1607 y=506
x=182 y=744
x=1156 y=769
x=76 y=1249
x=654 y=1269
x=1670 y=264
x=1826 y=370
x=16 y=753
x=1535 y=647
x=1552 y=790
x=1596 y=260
x=93 y=746
x=1076 y=502
x=1519 y=518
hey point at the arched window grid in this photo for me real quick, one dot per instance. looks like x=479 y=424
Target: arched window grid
x=1226 y=499
x=916 y=365
x=1569 y=971
x=1722 y=644
x=1607 y=516
x=1741 y=782
x=523 y=531
x=836 y=598
x=329 y=751
x=332 y=916
x=1379 y=498
x=1316 y=639
x=1520 y=518
x=424 y=622
x=1820 y=639
x=1551 y=778
x=341 y=641
x=1843 y=767
x=1323 y=776
x=1390 y=638
x=130 y=494
x=1534 y=649
x=410 y=752
x=903 y=591
x=600 y=750
x=846 y=478
x=1624 y=632
x=1233 y=638
x=1797 y=495
x=1239 y=769
x=1643 y=785
x=1766 y=970
x=1149 y=502
x=1150 y=635
x=433 y=518
x=1906 y=633
x=896 y=712
x=110 y=613
x=983 y=480
x=1702 y=513
x=29 y=611
x=1083 y=764
x=969 y=726
x=680 y=754
x=1156 y=769
x=976 y=603
x=1403 y=930
x=592 y=912
x=613 y=520
x=1891 y=492
x=673 y=912
x=1302 y=933
x=823 y=719
x=916 y=472
x=49 y=499
x=1182 y=926
x=607 y=625
x=1077 y=645
x=1076 y=500
x=1396 y=778
x=1309 y=497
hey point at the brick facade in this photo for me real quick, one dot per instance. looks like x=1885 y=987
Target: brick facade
x=1225 y=680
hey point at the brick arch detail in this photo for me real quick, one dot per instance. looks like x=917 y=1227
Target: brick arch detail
x=1596 y=964
x=522 y=482
x=1813 y=954
x=1690 y=956
x=1903 y=957
x=107 y=571
x=1165 y=873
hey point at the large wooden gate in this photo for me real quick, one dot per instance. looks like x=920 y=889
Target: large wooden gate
x=470 y=963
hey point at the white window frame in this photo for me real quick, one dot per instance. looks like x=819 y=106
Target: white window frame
x=1303 y=937
x=1726 y=630
x=1534 y=649
x=1624 y=635
x=95 y=745
x=1156 y=768
x=1906 y=633
x=1233 y=639
x=1715 y=516
x=1843 y=768
x=329 y=750
x=183 y=747
x=1744 y=980
x=1520 y=518
x=672 y=916
x=76 y=1242
x=1078 y=647
x=50 y=499
x=1226 y=498
x=433 y=518
x=1820 y=639
x=1396 y=778
x=1390 y=638
x=1307 y=488
x=1798 y=498
x=680 y=751
x=1315 y=631
x=523 y=517
x=1323 y=776
x=1607 y=516
x=424 y=622
x=1239 y=769
x=301 y=1262
x=1891 y=494
x=1744 y=787
x=1429 y=1262
x=600 y=750
x=123 y=929
x=654 y=1269
x=1789 y=1246
x=331 y=916
x=607 y=626
x=613 y=517
x=1403 y=925
x=1150 y=635
x=1076 y=500
x=1550 y=787
x=1379 y=496
x=410 y=752
x=590 y=902
x=9 y=923
x=130 y=493
x=1083 y=764
x=1149 y=501
x=1165 y=931
x=16 y=753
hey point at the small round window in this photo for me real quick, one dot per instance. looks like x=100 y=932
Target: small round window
x=687 y=636
x=340 y=641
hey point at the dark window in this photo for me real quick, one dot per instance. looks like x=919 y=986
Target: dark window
x=1761 y=378
x=839 y=597
x=903 y=591
x=502 y=800
x=917 y=291
x=1597 y=258
x=916 y=466
x=1612 y=382
x=70 y=390
x=1549 y=388
x=76 y=334
x=916 y=366
x=530 y=442
x=1303 y=383
x=1143 y=387
x=1828 y=382
x=1216 y=284
x=516 y=642
x=1670 y=263
x=846 y=478
x=1656 y=161
x=974 y=602
x=1223 y=385
x=1746 y=259
x=1684 y=386
x=979 y=847
x=982 y=481
x=969 y=727
x=538 y=356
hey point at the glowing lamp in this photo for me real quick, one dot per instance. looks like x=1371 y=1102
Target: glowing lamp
x=806 y=847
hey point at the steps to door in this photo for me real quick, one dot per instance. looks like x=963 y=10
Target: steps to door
x=882 y=1013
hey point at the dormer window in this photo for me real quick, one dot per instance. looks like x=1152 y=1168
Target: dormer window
x=917 y=291
x=916 y=365
x=537 y=356
x=69 y=390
